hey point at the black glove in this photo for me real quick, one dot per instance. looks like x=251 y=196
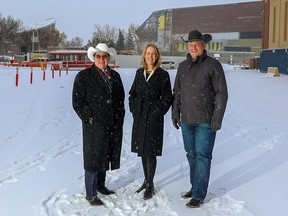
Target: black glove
x=215 y=126
x=176 y=123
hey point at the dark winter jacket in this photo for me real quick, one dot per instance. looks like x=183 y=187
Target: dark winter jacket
x=149 y=101
x=101 y=101
x=200 y=91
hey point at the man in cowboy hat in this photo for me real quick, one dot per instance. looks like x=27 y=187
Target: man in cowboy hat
x=98 y=100
x=200 y=98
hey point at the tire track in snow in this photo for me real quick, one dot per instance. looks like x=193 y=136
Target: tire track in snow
x=57 y=121
x=13 y=172
x=21 y=131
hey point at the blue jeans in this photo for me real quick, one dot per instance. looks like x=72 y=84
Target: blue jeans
x=92 y=181
x=198 y=143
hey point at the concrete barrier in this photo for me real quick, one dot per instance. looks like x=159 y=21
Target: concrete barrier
x=273 y=70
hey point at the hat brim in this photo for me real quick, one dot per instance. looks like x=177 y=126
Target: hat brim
x=206 y=38
x=91 y=51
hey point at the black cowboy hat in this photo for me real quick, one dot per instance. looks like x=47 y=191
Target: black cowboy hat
x=196 y=35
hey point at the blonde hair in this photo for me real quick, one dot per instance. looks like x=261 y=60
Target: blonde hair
x=158 y=57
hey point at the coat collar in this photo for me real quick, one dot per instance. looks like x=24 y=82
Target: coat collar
x=198 y=59
x=101 y=79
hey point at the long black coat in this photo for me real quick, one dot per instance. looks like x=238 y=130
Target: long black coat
x=104 y=104
x=149 y=102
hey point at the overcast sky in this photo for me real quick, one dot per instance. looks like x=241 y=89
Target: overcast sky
x=79 y=18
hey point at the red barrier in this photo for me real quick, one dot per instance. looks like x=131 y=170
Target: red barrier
x=5 y=63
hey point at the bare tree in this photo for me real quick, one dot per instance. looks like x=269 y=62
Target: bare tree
x=76 y=42
x=50 y=37
x=47 y=38
x=9 y=32
x=104 y=34
x=62 y=40
x=25 y=42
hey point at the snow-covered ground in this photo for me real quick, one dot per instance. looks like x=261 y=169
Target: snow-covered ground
x=41 y=172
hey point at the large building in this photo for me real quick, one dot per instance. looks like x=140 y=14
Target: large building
x=235 y=27
x=275 y=36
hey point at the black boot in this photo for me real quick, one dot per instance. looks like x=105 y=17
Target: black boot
x=194 y=203
x=94 y=201
x=149 y=192
x=101 y=188
x=187 y=195
x=143 y=186
x=104 y=190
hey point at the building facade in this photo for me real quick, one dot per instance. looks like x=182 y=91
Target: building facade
x=235 y=27
x=275 y=36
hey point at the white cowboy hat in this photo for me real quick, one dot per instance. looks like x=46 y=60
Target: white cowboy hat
x=103 y=48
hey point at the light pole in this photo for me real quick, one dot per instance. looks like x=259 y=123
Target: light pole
x=33 y=40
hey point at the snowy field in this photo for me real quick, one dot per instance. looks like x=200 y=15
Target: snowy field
x=41 y=172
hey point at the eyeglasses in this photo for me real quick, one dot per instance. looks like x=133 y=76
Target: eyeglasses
x=97 y=56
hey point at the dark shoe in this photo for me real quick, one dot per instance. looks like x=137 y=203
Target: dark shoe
x=149 y=192
x=194 y=203
x=187 y=195
x=143 y=186
x=94 y=201
x=104 y=190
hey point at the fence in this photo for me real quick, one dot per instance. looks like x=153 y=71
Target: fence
x=274 y=58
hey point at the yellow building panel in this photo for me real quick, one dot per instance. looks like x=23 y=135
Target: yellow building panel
x=38 y=55
x=161 y=22
x=283 y=40
x=278 y=24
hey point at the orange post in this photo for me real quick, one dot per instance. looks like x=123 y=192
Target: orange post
x=66 y=68
x=31 y=75
x=44 y=74
x=17 y=75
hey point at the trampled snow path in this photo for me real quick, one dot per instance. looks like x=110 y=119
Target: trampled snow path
x=126 y=202
x=64 y=202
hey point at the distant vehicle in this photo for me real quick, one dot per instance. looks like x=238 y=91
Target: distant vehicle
x=36 y=62
x=168 y=64
x=245 y=66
